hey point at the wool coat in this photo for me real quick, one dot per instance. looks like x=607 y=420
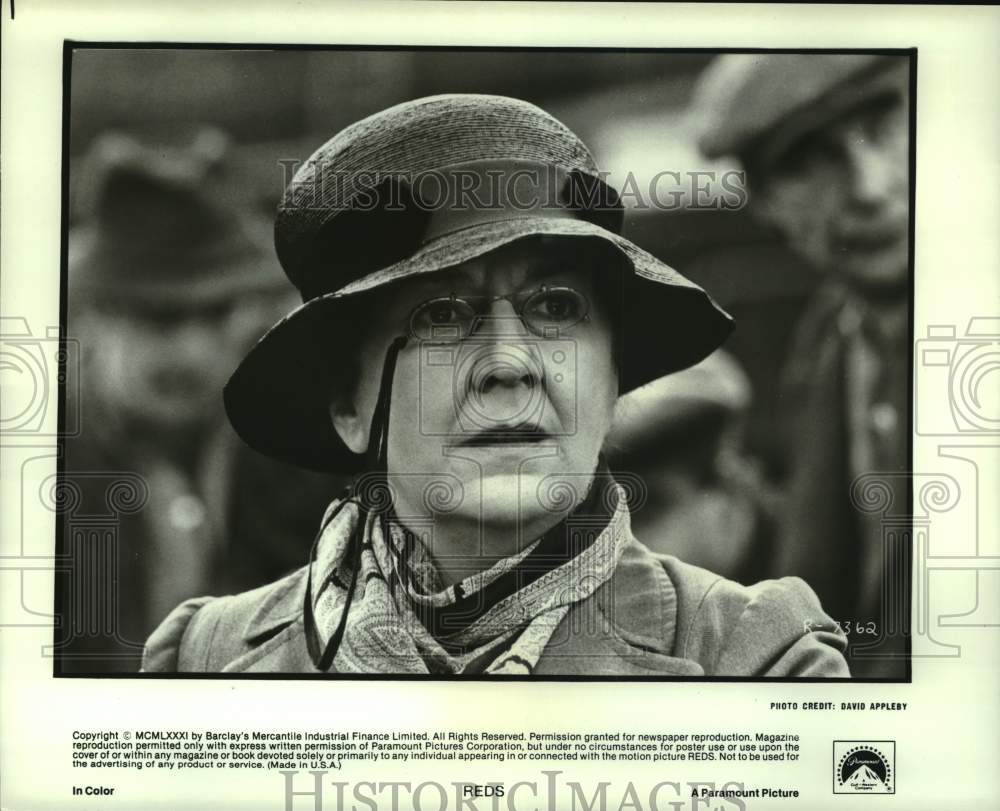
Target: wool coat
x=656 y=616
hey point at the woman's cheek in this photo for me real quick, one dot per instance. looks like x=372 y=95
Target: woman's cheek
x=595 y=391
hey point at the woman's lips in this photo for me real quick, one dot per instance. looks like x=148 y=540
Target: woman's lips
x=506 y=435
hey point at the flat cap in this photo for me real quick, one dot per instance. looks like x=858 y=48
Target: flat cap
x=742 y=99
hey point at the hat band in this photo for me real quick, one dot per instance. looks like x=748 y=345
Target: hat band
x=401 y=214
x=482 y=192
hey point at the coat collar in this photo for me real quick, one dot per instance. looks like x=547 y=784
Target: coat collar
x=281 y=606
x=273 y=638
x=626 y=628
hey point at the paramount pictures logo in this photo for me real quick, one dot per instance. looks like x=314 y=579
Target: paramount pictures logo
x=864 y=767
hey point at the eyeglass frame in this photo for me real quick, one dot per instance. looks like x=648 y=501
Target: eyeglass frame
x=518 y=301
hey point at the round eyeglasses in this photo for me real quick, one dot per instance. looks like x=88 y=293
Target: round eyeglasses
x=547 y=312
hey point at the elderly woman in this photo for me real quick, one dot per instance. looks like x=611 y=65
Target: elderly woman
x=471 y=315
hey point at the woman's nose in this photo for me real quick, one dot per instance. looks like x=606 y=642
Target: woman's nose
x=500 y=321
x=505 y=359
x=505 y=372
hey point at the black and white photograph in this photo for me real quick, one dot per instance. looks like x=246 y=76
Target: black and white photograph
x=473 y=362
x=466 y=405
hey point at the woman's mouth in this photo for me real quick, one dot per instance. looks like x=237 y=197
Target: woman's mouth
x=506 y=435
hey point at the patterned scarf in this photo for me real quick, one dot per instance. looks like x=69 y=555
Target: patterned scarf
x=402 y=619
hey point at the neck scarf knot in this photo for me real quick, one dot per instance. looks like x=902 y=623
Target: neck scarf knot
x=402 y=619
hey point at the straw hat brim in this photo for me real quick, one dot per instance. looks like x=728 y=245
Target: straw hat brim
x=278 y=398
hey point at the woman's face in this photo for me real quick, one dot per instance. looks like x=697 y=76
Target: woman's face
x=503 y=427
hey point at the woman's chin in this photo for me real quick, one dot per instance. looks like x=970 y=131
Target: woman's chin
x=513 y=499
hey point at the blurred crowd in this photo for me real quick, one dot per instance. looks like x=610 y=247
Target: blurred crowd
x=171 y=279
x=743 y=464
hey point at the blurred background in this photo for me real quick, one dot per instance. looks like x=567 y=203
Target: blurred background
x=630 y=108
x=216 y=517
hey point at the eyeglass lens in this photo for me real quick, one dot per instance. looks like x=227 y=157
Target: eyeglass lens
x=545 y=312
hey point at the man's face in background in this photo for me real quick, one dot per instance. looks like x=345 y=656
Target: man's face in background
x=839 y=194
x=164 y=366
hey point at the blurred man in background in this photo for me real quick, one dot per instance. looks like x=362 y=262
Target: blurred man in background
x=677 y=445
x=824 y=142
x=170 y=282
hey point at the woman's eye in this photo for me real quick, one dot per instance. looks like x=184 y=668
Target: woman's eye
x=557 y=305
x=441 y=319
x=441 y=313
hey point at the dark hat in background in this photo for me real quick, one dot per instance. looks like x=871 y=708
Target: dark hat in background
x=161 y=226
x=757 y=104
x=355 y=219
